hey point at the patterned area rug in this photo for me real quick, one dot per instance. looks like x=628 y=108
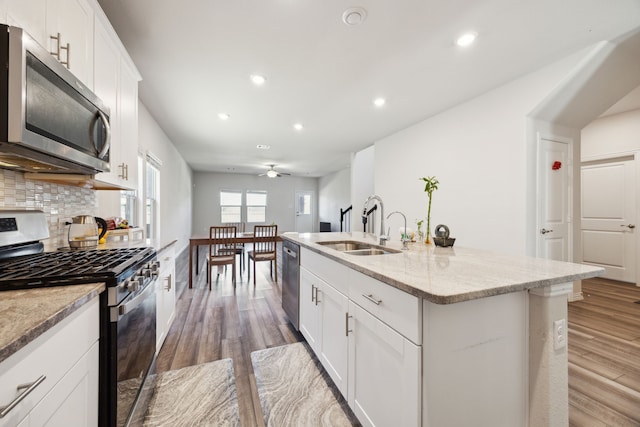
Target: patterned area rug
x=200 y=395
x=295 y=390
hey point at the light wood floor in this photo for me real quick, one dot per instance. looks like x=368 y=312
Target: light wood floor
x=223 y=323
x=604 y=341
x=604 y=355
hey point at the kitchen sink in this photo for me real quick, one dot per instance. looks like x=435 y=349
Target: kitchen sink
x=352 y=247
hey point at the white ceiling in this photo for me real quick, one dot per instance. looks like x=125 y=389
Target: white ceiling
x=196 y=56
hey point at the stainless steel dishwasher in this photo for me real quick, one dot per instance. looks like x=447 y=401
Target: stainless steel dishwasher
x=291 y=281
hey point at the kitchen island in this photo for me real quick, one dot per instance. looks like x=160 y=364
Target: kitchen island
x=438 y=336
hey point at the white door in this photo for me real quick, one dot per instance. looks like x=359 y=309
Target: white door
x=304 y=211
x=554 y=199
x=608 y=217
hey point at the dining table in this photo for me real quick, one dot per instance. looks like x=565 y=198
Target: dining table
x=196 y=241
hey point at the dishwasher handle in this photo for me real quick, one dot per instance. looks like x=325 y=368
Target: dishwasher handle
x=291 y=253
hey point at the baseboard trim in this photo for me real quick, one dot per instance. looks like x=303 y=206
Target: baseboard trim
x=576 y=297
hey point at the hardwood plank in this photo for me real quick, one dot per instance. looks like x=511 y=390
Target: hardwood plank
x=604 y=367
x=227 y=322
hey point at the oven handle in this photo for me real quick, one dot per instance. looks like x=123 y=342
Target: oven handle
x=123 y=309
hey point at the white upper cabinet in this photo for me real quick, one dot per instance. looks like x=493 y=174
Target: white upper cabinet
x=116 y=83
x=64 y=27
x=30 y=15
x=69 y=28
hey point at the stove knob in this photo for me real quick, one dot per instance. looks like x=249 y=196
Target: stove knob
x=134 y=285
x=146 y=272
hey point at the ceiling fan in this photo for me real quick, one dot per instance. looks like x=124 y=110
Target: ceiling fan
x=272 y=173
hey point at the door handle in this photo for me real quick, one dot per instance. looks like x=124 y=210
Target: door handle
x=545 y=231
x=632 y=226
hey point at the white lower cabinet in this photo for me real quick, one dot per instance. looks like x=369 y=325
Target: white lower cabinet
x=62 y=364
x=165 y=295
x=72 y=402
x=309 y=317
x=376 y=368
x=384 y=373
x=323 y=323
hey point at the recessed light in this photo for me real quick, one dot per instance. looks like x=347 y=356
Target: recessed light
x=354 y=16
x=263 y=147
x=223 y=116
x=298 y=126
x=466 y=39
x=258 y=79
x=379 y=102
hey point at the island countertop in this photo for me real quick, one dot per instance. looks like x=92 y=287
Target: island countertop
x=28 y=313
x=447 y=275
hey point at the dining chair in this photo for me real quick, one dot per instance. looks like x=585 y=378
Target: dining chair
x=239 y=247
x=264 y=249
x=221 y=250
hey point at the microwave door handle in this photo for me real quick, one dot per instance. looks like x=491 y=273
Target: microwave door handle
x=107 y=129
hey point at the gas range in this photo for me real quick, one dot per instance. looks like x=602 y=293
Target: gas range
x=127 y=308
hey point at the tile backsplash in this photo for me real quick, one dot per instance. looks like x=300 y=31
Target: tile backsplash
x=58 y=202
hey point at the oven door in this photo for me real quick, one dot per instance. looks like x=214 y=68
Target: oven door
x=133 y=322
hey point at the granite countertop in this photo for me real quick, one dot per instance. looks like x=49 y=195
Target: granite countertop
x=28 y=313
x=448 y=275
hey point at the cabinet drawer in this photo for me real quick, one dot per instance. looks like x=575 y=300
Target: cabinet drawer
x=398 y=309
x=327 y=269
x=52 y=354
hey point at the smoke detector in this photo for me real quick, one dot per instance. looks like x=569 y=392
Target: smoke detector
x=354 y=16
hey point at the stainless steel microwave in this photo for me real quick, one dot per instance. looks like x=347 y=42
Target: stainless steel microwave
x=49 y=120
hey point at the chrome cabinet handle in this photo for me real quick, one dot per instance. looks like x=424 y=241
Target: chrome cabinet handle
x=167 y=280
x=107 y=130
x=313 y=293
x=28 y=388
x=632 y=226
x=545 y=231
x=56 y=54
x=346 y=324
x=66 y=63
x=372 y=299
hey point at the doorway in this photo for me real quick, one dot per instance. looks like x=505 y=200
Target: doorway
x=608 y=216
x=304 y=211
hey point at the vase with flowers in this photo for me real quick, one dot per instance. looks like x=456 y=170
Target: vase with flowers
x=431 y=185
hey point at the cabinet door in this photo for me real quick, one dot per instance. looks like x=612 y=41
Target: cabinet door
x=384 y=373
x=166 y=299
x=73 y=19
x=334 y=341
x=74 y=400
x=106 y=82
x=30 y=16
x=309 y=317
x=128 y=117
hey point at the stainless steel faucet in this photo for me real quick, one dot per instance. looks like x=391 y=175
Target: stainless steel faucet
x=383 y=237
x=405 y=239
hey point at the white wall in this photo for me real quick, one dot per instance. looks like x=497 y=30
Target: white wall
x=612 y=135
x=280 y=198
x=363 y=174
x=480 y=153
x=175 y=181
x=334 y=193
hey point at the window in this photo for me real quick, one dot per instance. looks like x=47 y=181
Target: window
x=128 y=203
x=230 y=206
x=152 y=196
x=256 y=206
